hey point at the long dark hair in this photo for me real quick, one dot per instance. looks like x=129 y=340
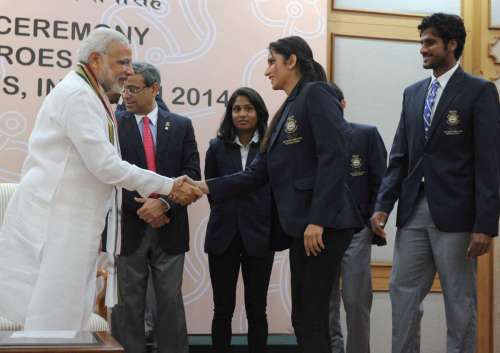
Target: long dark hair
x=310 y=69
x=227 y=131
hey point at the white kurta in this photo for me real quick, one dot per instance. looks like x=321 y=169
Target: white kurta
x=52 y=230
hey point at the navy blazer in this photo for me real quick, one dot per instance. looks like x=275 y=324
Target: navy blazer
x=176 y=154
x=247 y=216
x=459 y=161
x=367 y=164
x=306 y=166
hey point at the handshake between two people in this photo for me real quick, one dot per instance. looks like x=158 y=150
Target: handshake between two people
x=184 y=192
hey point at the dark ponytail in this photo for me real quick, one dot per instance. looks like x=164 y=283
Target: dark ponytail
x=320 y=72
x=310 y=70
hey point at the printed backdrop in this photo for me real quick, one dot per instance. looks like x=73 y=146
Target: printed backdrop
x=204 y=50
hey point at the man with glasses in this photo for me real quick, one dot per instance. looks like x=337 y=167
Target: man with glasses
x=155 y=230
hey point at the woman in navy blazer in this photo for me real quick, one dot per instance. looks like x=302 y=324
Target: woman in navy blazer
x=238 y=230
x=304 y=159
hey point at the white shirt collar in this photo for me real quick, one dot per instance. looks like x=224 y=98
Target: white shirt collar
x=152 y=115
x=255 y=138
x=444 y=78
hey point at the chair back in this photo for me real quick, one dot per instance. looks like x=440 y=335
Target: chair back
x=96 y=322
x=6 y=192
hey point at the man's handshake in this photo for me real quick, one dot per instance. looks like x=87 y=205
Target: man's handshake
x=186 y=191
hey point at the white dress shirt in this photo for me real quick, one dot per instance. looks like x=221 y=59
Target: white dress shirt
x=245 y=149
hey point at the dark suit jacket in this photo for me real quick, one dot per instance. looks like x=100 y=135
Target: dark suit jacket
x=247 y=216
x=459 y=161
x=367 y=164
x=176 y=154
x=305 y=165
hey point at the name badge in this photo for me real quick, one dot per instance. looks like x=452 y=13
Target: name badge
x=291 y=127
x=453 y=122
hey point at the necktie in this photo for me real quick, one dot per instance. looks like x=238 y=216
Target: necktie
x=149 y=147
x=429 y=103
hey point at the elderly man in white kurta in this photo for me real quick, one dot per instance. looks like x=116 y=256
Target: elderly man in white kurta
x=70 y=182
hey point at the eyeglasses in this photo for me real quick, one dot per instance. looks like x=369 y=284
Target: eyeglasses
x=133 y=89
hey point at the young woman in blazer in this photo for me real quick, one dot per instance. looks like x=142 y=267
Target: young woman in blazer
x=238 y=230
x=304 y=159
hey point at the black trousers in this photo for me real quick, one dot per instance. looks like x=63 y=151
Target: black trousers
x=224 y=271
x=312 y=279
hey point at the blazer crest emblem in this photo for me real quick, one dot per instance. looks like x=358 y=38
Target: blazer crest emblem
x=453 y=119
x=356 y=165
x=453 y=122
x=291 y=127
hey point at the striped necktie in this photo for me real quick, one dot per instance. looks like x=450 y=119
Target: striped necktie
x=429 y=104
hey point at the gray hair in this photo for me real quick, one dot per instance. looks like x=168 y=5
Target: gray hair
x=98 y=41
x=148 y=72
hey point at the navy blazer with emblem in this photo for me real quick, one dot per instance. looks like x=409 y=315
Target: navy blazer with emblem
x=367 y=164
x=306 y=166
x=246 y=216
x=459 y=161
x=176 y=155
